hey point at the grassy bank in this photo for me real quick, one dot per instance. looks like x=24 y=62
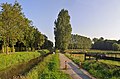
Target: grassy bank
x=117 y=63
x=16 y=58
x=91 y=51
x=37 y=70
x=100 y=69
x=52 y=70
x=48 y=69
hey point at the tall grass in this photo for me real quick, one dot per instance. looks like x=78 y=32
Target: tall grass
x=48 y=69
x=16 y=58
x=117 y=63
x=37 y=70
x=101 y=70
x=76 y=60
x=43 y=52
x=52 y=70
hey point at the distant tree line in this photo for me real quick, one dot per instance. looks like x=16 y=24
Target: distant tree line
x=18 y=31
x=79 y=42
x=47 y=44
x=102 y=44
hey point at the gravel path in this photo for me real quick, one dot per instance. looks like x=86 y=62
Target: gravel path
x=73 y=70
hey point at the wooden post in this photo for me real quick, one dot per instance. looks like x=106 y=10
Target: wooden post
x=115 y=55
x=96 y=57
x=85 y=56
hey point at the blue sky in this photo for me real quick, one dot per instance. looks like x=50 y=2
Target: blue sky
x=91 y=18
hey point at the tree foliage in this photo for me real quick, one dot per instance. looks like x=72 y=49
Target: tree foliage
x=80 y=42
x=116 y=46
x=39 y=39
x=102 y=44
x=47 y=44
x=11 y=23
x=62 y=30
x=15 y=27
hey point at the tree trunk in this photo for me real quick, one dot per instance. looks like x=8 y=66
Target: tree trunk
x=32 y=49
x=26 y=48
x=13 y=49
x=7 y=50
x=18 y=48
x=3 y=49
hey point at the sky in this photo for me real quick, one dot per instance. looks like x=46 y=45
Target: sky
x=91 y=18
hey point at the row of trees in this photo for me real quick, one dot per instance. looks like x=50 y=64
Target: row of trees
x=47 y=44
x=16 y=28
x=80 y=42
x=102 y=44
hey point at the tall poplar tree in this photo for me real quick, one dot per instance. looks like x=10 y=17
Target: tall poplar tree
x=62 y=30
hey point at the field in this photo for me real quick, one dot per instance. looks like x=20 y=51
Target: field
x=110 y=62
x=91 y=51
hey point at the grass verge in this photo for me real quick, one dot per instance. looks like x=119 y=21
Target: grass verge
x=16 y=58
x=48 y=69
x=100 y=70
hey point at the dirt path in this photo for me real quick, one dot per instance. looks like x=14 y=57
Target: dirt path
x=73 y=70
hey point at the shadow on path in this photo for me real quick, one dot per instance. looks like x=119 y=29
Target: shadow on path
x=78 y=71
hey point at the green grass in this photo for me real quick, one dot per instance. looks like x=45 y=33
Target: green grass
x=52 y=70
x=91 y=51
x=44 y=51
x=16 y=58
x=37 y=70
x=48 y=69
x=104 y=51
x=103 y=69
x=76 y=59
x=117 y=63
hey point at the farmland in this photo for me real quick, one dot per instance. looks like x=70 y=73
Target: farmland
x=80 y=41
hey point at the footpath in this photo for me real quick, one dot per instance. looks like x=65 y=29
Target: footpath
x=72 y=69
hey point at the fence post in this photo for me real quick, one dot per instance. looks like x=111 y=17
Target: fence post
x=85 y=56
